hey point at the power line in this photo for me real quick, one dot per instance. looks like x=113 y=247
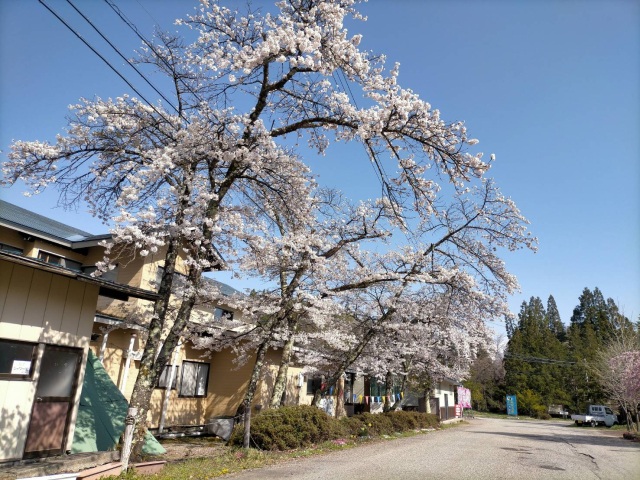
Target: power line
x=150 y=45
x=115 y=70
x=125 y=58
x=549 y=361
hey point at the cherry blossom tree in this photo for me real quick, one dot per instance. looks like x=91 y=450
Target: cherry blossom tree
x=616 y=368
x=300 y=256
x=246 y=91
x=451 y=260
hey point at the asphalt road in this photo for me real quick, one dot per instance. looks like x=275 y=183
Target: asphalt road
x=481 y=449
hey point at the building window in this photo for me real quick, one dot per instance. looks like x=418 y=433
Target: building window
x=222 y=314
x=10 y=249
x=58 y=260
x=195 y=377
x=164 y=377
x=313 y=384
x=50 y=258
x=377 y=389
x=72 y=265
x=17 y=359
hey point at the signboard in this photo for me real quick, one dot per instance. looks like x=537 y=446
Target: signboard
x=512 y=405
x=464 y=397
x=21 y=367
x=458 y=411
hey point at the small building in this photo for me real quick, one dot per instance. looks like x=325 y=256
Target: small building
x=47 y=309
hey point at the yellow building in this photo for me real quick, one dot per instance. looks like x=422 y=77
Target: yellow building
x=49 y=299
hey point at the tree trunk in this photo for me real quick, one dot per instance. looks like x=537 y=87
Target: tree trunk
x=281 y=379
x=427 y=397
x=388 y=386
x=340 y=410
x=141 y=397
x=155 y=356
x=251 y=389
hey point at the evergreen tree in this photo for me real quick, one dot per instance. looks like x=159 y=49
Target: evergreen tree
x=532 y=353
x=595 y=323
x=553 y=320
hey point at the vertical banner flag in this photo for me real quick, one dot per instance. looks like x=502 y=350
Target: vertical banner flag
x=512 y=405
x=464 y=397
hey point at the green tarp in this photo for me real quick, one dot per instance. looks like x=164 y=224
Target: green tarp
x=101 y=414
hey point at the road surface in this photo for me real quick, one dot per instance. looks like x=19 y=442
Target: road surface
x=482 y=449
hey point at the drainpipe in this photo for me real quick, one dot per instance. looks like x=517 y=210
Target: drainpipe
x=127 y=364
x=167 y=391
x=103 y=347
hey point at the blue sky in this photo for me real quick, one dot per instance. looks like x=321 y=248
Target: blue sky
x=551 y=87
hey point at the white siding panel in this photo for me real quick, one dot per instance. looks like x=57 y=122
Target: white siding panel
x=55 y=303
x=88 y=311
x=6 y=269
x=36 y=305
x=16 y=301
x=71 y=315
x=14 y=421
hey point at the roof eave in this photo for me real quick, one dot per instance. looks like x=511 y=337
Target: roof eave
x=109 y=289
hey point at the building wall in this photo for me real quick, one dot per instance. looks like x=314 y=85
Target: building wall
x=42 y=308
x=227 y=382
x=32 y=246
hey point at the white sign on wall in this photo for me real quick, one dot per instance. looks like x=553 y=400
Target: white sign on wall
x=21 y=367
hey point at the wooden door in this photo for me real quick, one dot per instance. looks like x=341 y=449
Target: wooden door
x=53 y=405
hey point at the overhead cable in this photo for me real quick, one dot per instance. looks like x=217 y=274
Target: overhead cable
x=150 y=45
x=125 y=58
x=115 y=70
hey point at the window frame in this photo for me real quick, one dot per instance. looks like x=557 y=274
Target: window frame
x=64 y=262
x=199 y=366
x=220 y=314
x=311 y=381
x=5 y=247
x=34 y=356
x=164 y=376
x=44 y=253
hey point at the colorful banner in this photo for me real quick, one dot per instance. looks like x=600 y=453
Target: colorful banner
x=464 y=397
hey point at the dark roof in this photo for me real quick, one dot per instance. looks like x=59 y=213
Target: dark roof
x=225 y=289
x=35 y=224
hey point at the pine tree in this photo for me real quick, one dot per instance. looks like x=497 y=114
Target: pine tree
x=595 y=323
x=553 y=320
x=532 y=352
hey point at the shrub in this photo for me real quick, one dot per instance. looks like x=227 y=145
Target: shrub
x=539 y=411
x=529 y=403
x=289 y=427
x=298 y=427
x=388 y=423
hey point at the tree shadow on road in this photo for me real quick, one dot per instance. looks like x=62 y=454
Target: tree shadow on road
x=585 y=438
